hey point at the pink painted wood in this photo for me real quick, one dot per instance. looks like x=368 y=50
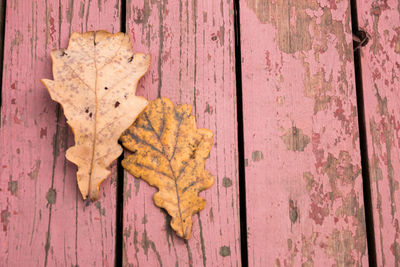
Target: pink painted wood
x=192 y=49
x=44 y=221
x=381 y=84
x=303 y=175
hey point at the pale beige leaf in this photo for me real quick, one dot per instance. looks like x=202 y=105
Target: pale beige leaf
x=95 y=81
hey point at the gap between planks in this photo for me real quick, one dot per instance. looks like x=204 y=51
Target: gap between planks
x=2 y=33
x=240 y=134
x=369 y=222
x=119 y=214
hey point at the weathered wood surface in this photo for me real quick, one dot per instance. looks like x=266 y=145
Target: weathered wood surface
x=192 y=49
x=380 y=61
x=44 y=221
x=303 y=174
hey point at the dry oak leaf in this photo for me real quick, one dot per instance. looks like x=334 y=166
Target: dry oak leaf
x=169 y=152
x=95 y=81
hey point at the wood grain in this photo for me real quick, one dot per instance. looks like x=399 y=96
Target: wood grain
x=380 y=61
x=44 y=220
x=192 y=49
x=303 y=174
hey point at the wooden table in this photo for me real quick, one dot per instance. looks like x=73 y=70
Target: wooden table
x=307 y=134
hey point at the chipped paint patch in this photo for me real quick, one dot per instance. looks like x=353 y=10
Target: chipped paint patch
x=146 y=243
x=13 y=187
x=317 y=87
x=339 y=246
x=293 y=211
x=226 y=182
x=101 y=210
x=51 y=196
x=318 y=209
x=256 y=156
x=292 y=26
x=209 y=109
x=5 y=214
x=309 y=179
x=340 y=169
x=295 y=140
x=225 y=251
x=141 y=15
x=307 y=249
x=18 y=40
x=35 y=171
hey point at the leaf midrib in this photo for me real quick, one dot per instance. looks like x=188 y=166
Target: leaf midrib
x=169 y=159
x=95 y=119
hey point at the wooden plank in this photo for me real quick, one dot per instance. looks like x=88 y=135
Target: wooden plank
x=192 y=48
x=44 y=220
x=2 y=23
x=303 y=174
x=380 y=61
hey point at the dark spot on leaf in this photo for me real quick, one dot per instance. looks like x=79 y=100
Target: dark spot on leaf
x=214 y=38
x=116 y=104
x=130 y=59
x=63 y=54
x=87 y=110
x=106 y=88
x=90 y=114
x=224 y=251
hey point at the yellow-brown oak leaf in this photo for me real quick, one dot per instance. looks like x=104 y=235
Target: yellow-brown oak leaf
x=169 y=152
x=95 y=81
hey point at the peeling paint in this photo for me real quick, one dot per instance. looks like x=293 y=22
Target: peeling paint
x=51 y=196
x=35 y=171
x=257 y=156
x=317 y=87
x=141 y=16
x=146 y=243
x=309 y=179
x=5 y=214
x=225 y=251
x=340 y=169
x=101 y=210
x=43 y=132
x=339 y=246
x=226 y=182
x=395 y=42
x=13 y=187
x=18 y=40
x=307 y=249
x=292 y=26
x=295 y=140
x=293 y=211
x=209 y=109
